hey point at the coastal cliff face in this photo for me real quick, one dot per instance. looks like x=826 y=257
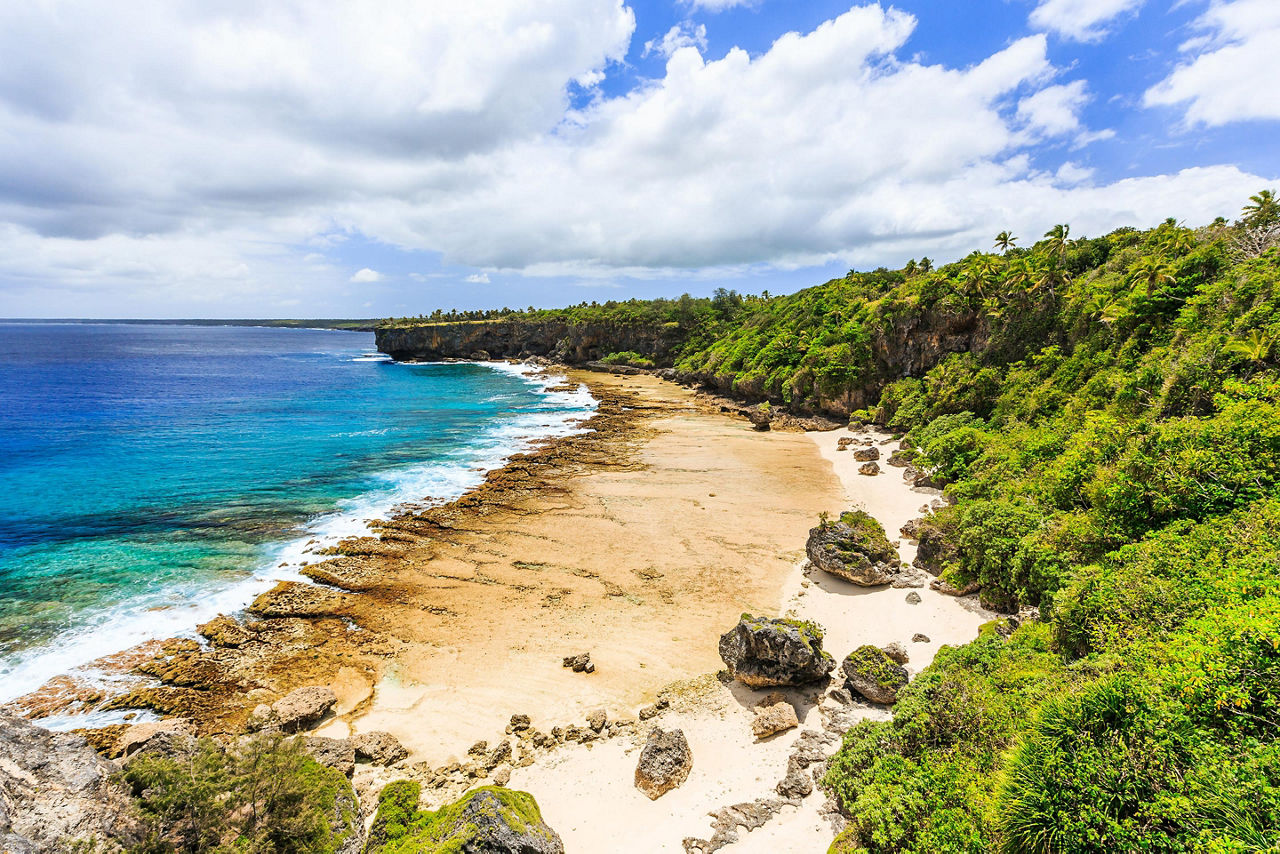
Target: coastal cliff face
x=516 y=339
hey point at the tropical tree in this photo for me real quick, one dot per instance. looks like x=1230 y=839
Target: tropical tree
x=1058 y=241
x=926 y=264
x=1256 y=346
x=1263 y=210
x=1005 y=241
x=1151 y=272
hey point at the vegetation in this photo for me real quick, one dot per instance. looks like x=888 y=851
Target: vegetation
x=401 y=828
x=1105 y=413
x=263 y=796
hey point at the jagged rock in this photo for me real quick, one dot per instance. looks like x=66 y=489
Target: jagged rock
x=664 y=763
x=480 y=748
x=874 y=675
x=336 y=753
x=797 y=784
x=304 y=707
x=766 y=653
x=948 y=589
x=499 y=754
x=773 y=715
x=760 y=419
x=921 y=479
x=870 y=469
x=897 y=652
x=167 y=737
x=225 y=631
x=911 y=530
x=597 y=719
x=901 y=458
x=919 y=638
x=487 y=820
x=263 y=717
x=55 y=791
x=864 y=455
x=913 y=598
x=380 y=748
x=844 y=442
x=502 y=775
x=520 y=723
x=581 y=663
x=854 y=548
x=652 y=711
x=479 y=356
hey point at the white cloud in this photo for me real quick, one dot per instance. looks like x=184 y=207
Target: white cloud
x=367 y=275
x=174 y=166
x=478 y=278
x=681 y=35
x=1081 y=20
x=1231 y=73
x=719 y=5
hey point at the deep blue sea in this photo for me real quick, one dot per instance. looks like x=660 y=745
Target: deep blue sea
x=154 y=476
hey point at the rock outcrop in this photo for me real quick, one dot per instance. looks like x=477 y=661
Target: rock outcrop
x=377 y=747
x=303 y=707
x=664 y=763
x=854 y=548
x=487 y=820
x=56 y=791
x=514 y=339
x=766 y=653
x=874 y=675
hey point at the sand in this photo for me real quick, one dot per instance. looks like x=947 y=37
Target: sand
x=722 y=512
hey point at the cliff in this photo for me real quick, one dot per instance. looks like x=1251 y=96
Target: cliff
x=517 y=339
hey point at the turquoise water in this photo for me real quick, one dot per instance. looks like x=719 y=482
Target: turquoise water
x=153 y=476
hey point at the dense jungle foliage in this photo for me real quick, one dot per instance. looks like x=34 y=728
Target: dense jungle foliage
x=1105 y=413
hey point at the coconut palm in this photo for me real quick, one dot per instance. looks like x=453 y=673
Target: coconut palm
x=1263 y=209
x=1151 y=273
x=1058 y=241
x=1005 y=241
x=1255 y=347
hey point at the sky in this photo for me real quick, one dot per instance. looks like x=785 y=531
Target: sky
x=376 y=158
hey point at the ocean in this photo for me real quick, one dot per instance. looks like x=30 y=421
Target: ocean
x=152 y=477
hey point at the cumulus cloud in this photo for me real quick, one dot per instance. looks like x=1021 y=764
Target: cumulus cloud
x=478 y=278
x=1081 y=20
x=1229 y=75
x=719 y=5
x=367 y=275
x=191 y=152
x=681 y=35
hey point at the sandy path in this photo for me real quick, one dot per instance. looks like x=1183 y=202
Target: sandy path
x=586 y=793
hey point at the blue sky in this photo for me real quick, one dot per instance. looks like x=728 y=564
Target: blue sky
x=371 y=159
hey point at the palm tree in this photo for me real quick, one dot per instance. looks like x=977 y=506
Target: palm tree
x=925 y=264
x=1058 y=241
x=1005 y=241
x=1256 y=347
x=1151 y=272
x=1263 y=209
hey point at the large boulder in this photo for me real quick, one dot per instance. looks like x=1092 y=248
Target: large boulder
x=487 y=820
x=335 y=753
x=380 y=748
x=854 y=548
x=304 y=707
x=170 y=737
x=873 y=674
x=866 y=455
x=664 y=763
x=765 y=653
x=56 y=792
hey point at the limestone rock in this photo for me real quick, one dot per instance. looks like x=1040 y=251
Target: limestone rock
x=173 y=736
x=919 y=638
x=224 y=631
x=865 y=455
x=336 y=753
x=767 y=653
x=869 y=469
x=874 y=675
x=797 y=784
x=773 y=715
x=897 y=652
x=948 y=589
x=761 y=419
x=581 y=663
x=664 y=763
x=380 y=748
x=913 y=598
x=901 y=458
x=854 y=548
x=597 y=719
x=653 y=710
x=55 y=789
x=304 y=707
x=263 y=717
x=502 y=775
x=520 y=723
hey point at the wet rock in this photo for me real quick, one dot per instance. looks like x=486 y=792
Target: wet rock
x=664 y=763
x=874 y=675
x=55 y=789
x=913 y=598
x=864 y=455
x=897 y=652
x=919 y=638
x=335 y=753
x=304 y=707
x=298 y=599
x=766 y=653
x=854 y=548
x=773 y=715
x=379 y=748
x=869 y=469
x=226 y=632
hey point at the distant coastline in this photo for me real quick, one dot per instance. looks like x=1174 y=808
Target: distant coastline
x=344 y=324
